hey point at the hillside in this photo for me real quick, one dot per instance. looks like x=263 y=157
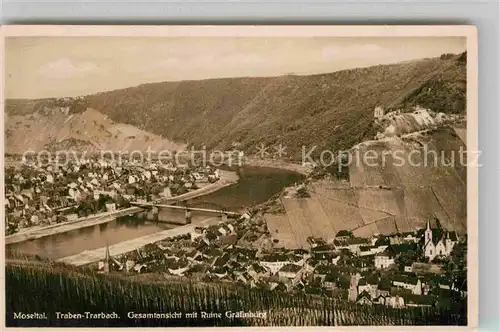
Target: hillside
x=56 y=129
x=398 y=195
x=333 y=111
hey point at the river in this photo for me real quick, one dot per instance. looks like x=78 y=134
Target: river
x=255 y=185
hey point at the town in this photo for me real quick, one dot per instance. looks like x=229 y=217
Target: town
x=44 y=194
x=426 y=268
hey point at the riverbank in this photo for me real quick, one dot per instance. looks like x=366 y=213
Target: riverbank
x=281 y=164
x=92 y=256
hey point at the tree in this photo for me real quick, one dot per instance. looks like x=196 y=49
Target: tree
x=12 y=226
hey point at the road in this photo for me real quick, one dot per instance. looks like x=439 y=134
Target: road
x=38 y=232
x=226 y=178
x=175 y=207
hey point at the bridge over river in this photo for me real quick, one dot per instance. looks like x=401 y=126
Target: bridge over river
x=79 y=237
x=159 y=212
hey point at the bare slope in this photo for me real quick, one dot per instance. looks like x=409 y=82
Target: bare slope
x=54 y=130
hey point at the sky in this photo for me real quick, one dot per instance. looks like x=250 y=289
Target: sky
x=41 y=67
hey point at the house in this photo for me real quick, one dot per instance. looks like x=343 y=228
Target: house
x=384 y=287
x=330 y=281
x=402 y=248
x=408 y=267
x=197 y=176
x=34 y=219
x=50 y=178
x=368 y=285
x=179 y=269
x=220 y=261
x=437 y=243
x=290 y=271
x=321 y=271
x=446 y=284
x=343 y=235
x=245 y=216
x=166 y=192
x=366 y=251
x=140 y=268
x=220 y=272
x=71 y=216
x=410 y=237
x=353 y=287
x=227 y=240
x=274 y=262
x=194 y=256
x=129 y=265
x=394 y=301
x=383 y=260
x=243 y=277
x=130 y=192
x=223 y=231
x=380 y=299
x=409 y=282
x=336 y=260
x=256 y=271
x=353 y=244
x=110 y=207
x=378 y=113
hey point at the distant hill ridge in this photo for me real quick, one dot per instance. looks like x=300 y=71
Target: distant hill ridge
x=56 y=129
x=331 y=111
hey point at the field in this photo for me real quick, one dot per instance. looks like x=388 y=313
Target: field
x=331 y=111
x=57 y=288
x=89 y=130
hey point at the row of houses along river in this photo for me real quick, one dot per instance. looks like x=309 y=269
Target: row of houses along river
x=78 y=244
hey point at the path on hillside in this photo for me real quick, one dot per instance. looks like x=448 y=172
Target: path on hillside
x=227 y=178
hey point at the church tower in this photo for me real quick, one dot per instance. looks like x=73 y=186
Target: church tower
x=428 y=233
x=448 y=244
x=378 y=113
x=106 y=260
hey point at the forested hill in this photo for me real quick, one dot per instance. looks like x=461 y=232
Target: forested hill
x=333 y=110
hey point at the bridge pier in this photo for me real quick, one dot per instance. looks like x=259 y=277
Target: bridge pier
x=155 y=213
x=180 y=214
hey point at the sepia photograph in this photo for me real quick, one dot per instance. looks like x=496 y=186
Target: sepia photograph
x=230 y=176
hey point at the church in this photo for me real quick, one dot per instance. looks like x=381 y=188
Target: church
x=437 y=242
